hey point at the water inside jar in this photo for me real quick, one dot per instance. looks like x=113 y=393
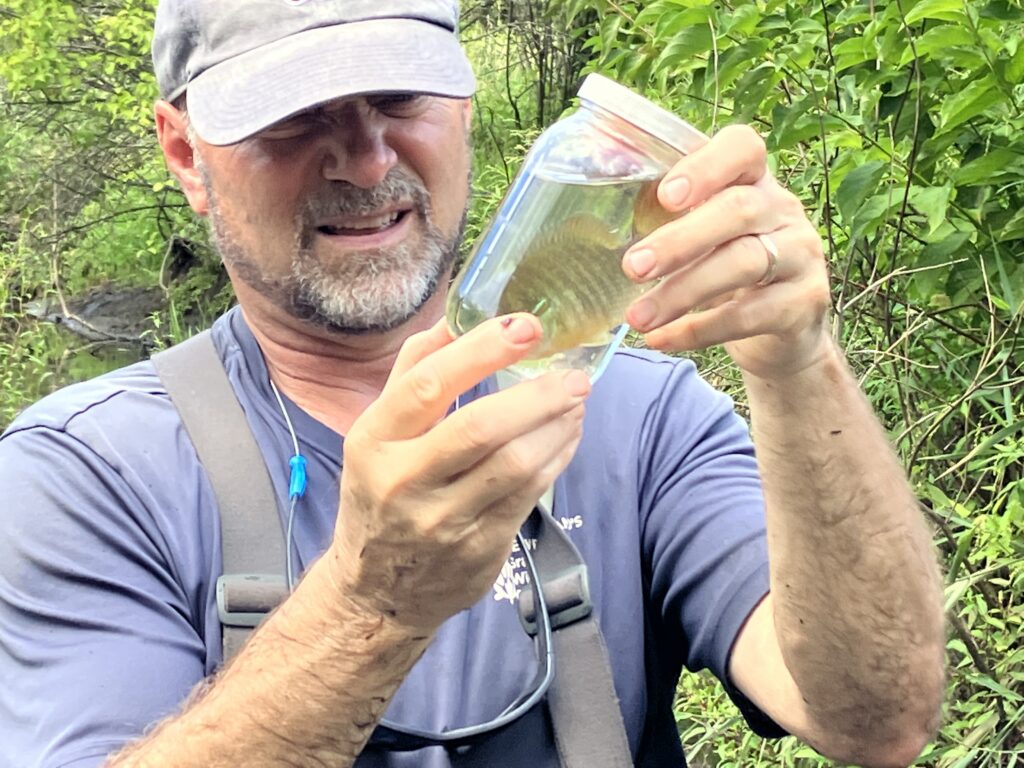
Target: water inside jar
x=555 y=250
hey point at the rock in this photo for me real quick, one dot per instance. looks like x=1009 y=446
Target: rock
x=106 y=312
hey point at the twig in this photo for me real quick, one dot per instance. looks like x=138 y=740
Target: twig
x=831 y=56
x=718 y=93
x=979 y=658
x=915 y=137
x=163 y=266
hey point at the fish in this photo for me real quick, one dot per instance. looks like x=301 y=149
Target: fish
x=570 y=277
x=648 y=214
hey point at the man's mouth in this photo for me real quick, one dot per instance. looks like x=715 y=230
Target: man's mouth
x=361 y=226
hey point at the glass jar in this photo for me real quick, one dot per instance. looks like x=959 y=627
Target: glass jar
x=586 y=192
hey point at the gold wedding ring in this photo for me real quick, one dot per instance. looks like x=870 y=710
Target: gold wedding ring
x=773 y=261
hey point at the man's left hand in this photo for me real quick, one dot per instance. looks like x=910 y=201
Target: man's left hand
x=744 y=267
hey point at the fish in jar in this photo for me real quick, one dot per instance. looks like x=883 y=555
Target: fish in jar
x=570 y=277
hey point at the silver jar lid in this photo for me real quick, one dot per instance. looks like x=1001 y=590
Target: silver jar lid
x=645 y=115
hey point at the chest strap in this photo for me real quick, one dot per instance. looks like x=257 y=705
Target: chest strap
x=585 y=714
x=584 y=706
x=252 y=539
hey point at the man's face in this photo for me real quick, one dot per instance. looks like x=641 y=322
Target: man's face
x=348 y=216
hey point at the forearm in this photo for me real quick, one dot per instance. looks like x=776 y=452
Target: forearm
x=307 y=689
x=855 y=586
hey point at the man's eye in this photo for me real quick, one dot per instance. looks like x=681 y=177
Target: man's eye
x=399 y=103
x=282 y=132
x=291 y=128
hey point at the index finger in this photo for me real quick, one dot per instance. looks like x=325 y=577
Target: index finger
x=735 y=155
x=416 y=399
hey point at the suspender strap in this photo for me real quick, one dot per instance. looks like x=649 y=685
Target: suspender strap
x=252 y=541
x=584 y=706
x=585 y=714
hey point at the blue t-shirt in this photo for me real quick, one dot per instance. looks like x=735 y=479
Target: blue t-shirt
x=110 y=552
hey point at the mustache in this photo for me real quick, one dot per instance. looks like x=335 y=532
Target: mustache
x=342 y=198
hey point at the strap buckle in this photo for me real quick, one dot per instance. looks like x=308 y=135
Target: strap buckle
x=567 y=596
x=245 y=599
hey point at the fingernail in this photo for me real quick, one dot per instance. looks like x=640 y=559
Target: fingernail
x=675 y=192
x=577 y=383
x=641 y=314
x=641 y=262
x=518 y=330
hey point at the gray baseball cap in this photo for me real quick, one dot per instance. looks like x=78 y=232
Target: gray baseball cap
x=247 y=64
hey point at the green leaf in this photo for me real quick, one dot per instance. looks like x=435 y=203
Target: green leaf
x=928 y=284
x=1013 y=229
x=1001 y=10
x=933 y=202
x=805 y=25
x=680 y=20
x=610 y=32
x=852 y=52
x=870 y=216
x=683 y=49
x=937 y=40
x=962 y=548
x=1009 y=293
x=989 y=167
x=853 y=15
x=857 y=186
x=742 y=21
x=751 y=90
x=968 y=103
x=1002 y=690
x=737 y=60
x=804 y=752
x=652 y=14
x=1015 y=69
x=946 y=10
x=797 y=122
x=943 y=250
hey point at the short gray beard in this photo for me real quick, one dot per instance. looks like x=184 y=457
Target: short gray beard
x=368 y=292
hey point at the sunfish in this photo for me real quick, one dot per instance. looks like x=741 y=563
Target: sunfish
x=571 y=279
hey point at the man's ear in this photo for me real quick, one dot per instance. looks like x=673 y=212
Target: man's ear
x=181 y=158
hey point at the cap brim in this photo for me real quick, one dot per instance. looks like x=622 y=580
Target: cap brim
x=245 y=94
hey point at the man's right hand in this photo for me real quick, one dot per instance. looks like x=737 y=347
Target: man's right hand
x=429 y=505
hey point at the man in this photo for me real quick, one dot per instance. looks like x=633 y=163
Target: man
x=327 y=143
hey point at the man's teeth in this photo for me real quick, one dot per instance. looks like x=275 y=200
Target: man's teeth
x=362 y=226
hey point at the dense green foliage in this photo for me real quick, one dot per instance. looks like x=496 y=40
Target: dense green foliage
x=898 y=122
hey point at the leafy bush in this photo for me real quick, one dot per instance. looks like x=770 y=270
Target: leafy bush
x=899 y=124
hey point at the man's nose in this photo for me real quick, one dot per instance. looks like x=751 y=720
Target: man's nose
x=357 y=151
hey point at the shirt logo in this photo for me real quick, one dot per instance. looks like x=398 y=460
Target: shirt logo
x=514 y=574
